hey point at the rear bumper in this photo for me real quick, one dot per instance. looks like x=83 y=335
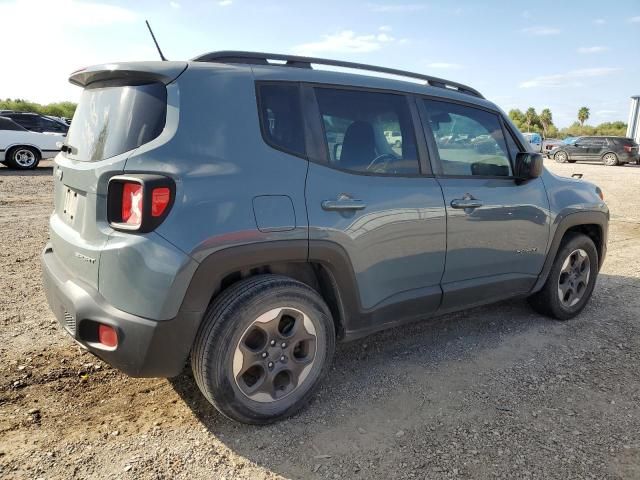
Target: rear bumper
x=146 y=348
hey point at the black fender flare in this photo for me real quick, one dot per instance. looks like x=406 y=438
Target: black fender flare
x=563 y=224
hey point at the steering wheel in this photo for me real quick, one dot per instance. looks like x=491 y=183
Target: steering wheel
x=389 y=157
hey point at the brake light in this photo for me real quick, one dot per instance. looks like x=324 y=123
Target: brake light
x=107 y=335
x=132 y=203
x=160 y=197
x=628 y=148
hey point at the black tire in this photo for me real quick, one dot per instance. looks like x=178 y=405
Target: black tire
x=561 y=156
x=547 y=301
x=571 y=161
x=15 y=158
x=228 y=321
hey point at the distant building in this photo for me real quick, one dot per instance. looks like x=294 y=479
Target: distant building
x=633 y=125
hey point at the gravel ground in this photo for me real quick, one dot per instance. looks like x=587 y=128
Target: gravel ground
x=494 y=392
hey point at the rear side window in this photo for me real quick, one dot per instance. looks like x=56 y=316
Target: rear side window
x=368 y=132
x=8 y=124
x=470 y=141
x=111 y=120
x=281 y=117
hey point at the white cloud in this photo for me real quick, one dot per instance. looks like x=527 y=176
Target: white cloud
x=384 y=28
x=541 y=31
x=174 y=4
x=397 y=7
x=599 y=21
x=444 y=65
x=635 y=19
x=345 y=42
x=597 y=49
x=225 y=3
x=568 y=79
x=70 y=20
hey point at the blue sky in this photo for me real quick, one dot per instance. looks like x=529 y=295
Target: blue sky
x=560 y=55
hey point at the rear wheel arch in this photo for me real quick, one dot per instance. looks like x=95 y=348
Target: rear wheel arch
x=326 y=275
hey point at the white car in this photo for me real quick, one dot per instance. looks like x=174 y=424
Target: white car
x=23 y=149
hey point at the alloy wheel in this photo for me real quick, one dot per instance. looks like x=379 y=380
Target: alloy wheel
x=24 y=157
x=274 y=354
x=574 y=278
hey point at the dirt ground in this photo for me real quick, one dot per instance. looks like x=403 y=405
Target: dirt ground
x=494 y=392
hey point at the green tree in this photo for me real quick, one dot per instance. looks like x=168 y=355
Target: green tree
x=546 y=119
x=530 y=118
x=59 y=109
x=583 y=115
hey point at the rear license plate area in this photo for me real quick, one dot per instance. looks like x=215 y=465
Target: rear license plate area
x=70 y=205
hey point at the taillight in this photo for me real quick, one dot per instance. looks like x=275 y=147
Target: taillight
x=628 y=148
x=160 y=197
x=139 y=202
x=132 y=203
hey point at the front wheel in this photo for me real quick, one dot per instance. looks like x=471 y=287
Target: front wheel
x=571 y=279
x=561 y=157
x=264 y=346
x=610 y=159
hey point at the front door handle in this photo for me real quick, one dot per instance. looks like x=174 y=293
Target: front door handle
x=343 y=203
x=465 y=203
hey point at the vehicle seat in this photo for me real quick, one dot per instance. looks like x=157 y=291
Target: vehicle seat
x=358 y=146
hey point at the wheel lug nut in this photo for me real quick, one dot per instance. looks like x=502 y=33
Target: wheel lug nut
x=282 y=358
x=270 y=364
x=273 y=342
x=264 y=354
x=284 y=345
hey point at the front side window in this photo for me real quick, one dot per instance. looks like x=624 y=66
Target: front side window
x=281 y=117
x=469 y=140
x=368 y=132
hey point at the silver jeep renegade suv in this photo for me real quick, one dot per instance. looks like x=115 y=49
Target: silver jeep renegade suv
x=248 y=214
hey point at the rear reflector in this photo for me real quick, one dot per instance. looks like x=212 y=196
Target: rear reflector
x=159 y=200
x=132 y=203
x=107 y=335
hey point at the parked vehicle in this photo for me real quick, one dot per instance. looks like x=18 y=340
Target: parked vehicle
x=35 y=122
x=258 y=215
x=535 y=140
x=549 y=144
x=22 y=149
x=608 y=150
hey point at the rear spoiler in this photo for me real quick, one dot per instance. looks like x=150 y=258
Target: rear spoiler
x=128 y=73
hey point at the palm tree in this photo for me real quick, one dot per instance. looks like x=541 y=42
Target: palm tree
x=546 y=119
x=583 y=115
x=530 y=117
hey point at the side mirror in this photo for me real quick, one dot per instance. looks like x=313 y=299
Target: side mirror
x=528 y=165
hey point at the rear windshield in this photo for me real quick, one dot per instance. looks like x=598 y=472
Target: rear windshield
x=114 y=119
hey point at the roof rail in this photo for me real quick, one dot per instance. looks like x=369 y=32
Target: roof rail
x=257 y=58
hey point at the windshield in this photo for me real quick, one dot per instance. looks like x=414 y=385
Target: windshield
x=114 y=119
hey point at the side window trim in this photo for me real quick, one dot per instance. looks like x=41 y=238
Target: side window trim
x=434 y=154
x=263 y=133
x=325 y=159
x=507 y=131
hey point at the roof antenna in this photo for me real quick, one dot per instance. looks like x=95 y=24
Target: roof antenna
x=155 y=41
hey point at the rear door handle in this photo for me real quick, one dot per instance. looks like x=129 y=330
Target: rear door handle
x=342 y=204
x=465 y=203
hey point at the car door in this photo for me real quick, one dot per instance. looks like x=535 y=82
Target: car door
x=371 y=198
x=497 y=227
x=579 y=150
x=596 y=147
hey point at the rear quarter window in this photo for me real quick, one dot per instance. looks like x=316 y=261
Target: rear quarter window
x=111 y=120
x=281 y=117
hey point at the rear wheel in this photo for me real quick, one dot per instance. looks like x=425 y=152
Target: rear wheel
x=561 y=157
x=23 y=158
x=264 y=346
x=610 y=159
x=571 y=279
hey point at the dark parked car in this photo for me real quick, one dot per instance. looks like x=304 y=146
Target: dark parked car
x=249 y=215
x=609 y=150
x=35 y=122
